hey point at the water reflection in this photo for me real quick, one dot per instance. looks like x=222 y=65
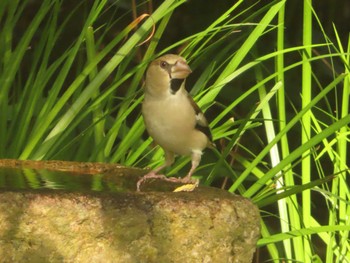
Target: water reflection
x=68 y=177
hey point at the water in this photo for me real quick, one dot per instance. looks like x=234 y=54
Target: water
x=16 y=175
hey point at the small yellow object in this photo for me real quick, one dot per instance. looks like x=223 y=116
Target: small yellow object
x=186 y=188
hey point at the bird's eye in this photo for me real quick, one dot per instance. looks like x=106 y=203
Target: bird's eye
x=163 y=64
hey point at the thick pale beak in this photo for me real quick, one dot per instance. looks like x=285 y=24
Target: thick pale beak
x=180 y=70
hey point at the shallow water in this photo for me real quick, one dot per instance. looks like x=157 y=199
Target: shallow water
x=16 y=175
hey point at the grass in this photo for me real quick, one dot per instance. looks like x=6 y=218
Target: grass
x=282 y=127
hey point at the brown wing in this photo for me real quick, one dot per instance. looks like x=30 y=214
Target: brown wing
x=201 y=121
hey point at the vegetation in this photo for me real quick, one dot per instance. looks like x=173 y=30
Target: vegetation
x=71 y=77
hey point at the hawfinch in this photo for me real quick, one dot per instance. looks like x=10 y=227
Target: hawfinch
x=172 y=118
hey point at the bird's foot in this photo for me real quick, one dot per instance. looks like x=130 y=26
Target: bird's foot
x=150 y=175
x=185 y=180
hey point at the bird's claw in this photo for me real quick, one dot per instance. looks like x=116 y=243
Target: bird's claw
x=150 y=175
x=187 y=180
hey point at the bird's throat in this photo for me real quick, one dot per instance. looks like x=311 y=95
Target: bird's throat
x=175 y=85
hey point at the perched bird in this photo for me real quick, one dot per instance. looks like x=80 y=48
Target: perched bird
x=172 y=118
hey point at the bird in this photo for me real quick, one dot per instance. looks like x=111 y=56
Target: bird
x=172 y=118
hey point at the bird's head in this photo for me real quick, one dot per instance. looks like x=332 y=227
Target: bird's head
x=167 y=74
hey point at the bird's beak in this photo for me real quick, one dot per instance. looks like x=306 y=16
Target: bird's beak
x=180 y=70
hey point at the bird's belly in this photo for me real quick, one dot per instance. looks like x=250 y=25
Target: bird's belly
x=172 y=127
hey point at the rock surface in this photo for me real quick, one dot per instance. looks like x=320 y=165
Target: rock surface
x=206 y=225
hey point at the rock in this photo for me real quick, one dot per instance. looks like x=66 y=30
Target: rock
x=206 y=225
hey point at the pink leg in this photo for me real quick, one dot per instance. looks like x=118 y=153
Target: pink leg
x=196 y=158
x=169 y=160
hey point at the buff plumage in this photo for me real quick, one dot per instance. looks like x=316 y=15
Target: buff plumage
x=172 y=118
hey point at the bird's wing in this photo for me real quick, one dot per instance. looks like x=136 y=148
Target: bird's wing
x=201 y=121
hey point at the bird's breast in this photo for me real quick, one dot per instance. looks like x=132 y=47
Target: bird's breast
x=170 y=122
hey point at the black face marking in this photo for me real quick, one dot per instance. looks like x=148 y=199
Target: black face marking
x=175 y=85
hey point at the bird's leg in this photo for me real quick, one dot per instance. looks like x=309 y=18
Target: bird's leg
x=196 y=158
x=169 y=160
